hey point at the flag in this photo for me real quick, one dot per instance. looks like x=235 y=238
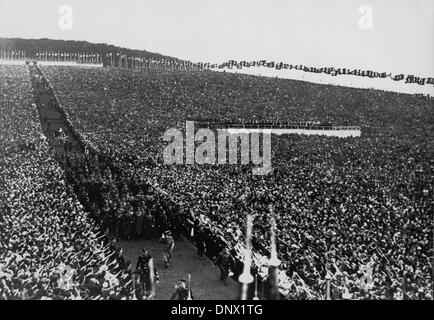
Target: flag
x=409 y=79
x=421 y=81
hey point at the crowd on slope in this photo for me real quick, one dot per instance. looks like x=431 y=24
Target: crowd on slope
x=49 y=246
x=357 y=210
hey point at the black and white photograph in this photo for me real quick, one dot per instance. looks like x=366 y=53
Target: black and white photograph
x=235 y=152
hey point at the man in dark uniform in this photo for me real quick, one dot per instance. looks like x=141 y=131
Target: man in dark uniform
x=182 y=292
x=127 y=222
x=167 y=239
x=143 y=269
x=143 y=260
x=200 y=241
x=149 y=221
x=225 y=262
x=138 y=222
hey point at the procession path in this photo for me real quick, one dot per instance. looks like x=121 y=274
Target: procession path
x=205 y=281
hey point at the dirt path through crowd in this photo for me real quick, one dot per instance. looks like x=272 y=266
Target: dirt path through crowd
x=205 y=282
x=205 y=279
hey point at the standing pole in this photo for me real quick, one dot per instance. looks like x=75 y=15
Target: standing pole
x=273 y=262
x=256 y=288
x=328 y=279
x=189 y=288
x=152 y=278
x=246 y=277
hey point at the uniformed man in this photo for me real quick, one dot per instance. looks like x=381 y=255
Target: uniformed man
x=200 y=241
x=144 y=259
x=182 y=292
x=225 y=263
x=149 y=222
x=167 y=239
x=138 y=222
x=143 y=269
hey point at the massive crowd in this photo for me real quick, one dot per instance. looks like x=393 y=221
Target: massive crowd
x=356 y=209
x=49 y=246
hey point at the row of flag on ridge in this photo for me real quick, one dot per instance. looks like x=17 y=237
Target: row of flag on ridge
x=80 y=57
x=7 y=54
x=120 y=60
x=326 y=70
x=124 y=61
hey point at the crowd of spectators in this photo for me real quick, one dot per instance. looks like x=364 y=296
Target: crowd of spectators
x=358 y=210
x=49 y=246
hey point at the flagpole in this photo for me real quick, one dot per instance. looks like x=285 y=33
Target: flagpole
x=152 y=278
x=273 y=262
x=328 y=279
x=189 y=288
x=246 y=277
x=256 y=288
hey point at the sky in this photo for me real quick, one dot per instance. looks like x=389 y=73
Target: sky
x=309 y=32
